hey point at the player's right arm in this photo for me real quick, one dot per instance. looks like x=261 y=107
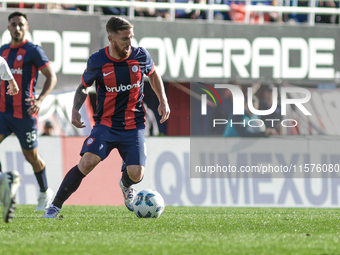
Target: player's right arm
x=12 y=88
x=79 y=99
x=6 y=74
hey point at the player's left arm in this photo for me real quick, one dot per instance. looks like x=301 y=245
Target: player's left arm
x=50 y=82
x=158 y=87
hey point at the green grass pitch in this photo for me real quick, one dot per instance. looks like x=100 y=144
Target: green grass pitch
x=180 y=230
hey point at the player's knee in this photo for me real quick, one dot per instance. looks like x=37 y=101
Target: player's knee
x=135 y=173
x=31 y=158
x=87 y=163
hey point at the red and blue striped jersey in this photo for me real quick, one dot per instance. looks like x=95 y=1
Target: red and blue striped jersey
x=24 y=60
x=119 y=87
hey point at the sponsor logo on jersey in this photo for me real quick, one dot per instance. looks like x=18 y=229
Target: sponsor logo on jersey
x=19 y=57
x=16 y=71
x=122 y=87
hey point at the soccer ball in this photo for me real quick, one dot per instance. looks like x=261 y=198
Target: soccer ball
x=148 y=203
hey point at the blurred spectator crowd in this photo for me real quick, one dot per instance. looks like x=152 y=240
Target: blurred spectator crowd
x=236 y=13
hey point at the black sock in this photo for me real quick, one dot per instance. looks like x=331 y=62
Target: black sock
x=0 y=167
x=127 y=182
x=42 y=181
x=69 y=185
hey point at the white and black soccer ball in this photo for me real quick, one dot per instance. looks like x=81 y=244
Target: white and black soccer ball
x=148 y=203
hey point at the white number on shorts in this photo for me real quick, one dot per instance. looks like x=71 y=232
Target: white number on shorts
x=31 y=136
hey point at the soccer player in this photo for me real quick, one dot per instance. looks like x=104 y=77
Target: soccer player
x=19 y=113
x=9 y=182
x=118 y=71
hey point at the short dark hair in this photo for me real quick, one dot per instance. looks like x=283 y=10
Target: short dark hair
x=116 y=24
x=14 y=14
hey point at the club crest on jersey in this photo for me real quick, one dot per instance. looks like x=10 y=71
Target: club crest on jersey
x=90 y=141
x=19 y=57
x=134 y=69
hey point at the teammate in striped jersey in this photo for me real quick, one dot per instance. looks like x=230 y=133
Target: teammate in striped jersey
x=118 y=72
x=19 y=113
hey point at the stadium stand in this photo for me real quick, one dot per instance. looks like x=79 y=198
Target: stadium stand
x=248 y=12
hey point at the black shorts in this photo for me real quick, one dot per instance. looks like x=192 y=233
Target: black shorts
x=129 y=143
x=25 y=129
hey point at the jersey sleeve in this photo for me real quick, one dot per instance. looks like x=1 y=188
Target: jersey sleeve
x=5 y=72
x=40 y=59
x=89 y=74
x=150 y=65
